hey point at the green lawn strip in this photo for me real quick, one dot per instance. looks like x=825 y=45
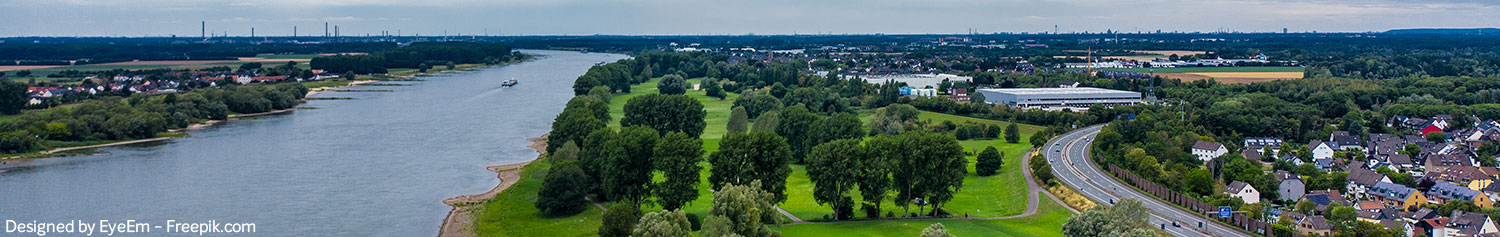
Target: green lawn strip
x=512 y=213
x=1210 y=69
x=1048 y=220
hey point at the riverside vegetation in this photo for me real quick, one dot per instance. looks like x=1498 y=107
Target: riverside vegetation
x=795 y=155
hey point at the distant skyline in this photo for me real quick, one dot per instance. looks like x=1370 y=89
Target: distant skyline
x=725 y=17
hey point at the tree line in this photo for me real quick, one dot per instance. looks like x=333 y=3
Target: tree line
x=140 y=115
x=421 y=55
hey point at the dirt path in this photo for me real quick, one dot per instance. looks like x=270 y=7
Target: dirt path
x=106 y=145
x=460 y=221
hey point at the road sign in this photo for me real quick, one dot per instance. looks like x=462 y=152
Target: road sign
x=1224 y=212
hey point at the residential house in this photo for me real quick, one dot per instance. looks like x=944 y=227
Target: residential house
x=1462 y=223
x=1251 y=154
x=1291 y=187
x=1315 y=225
x=1208 y=150
x=1322 y=198
x=1439 y=161
x=1467 y=176
x=1243 y=191
x=1443 y=192
x=1361 y=179
x=1399 y=226
x=1401 y=161
x=1320 y=149
x=1396 y=195
x=1341 y=140
x=1258 y=143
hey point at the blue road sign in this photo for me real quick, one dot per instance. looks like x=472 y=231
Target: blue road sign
x=1224 y=212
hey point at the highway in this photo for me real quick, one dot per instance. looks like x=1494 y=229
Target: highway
x=1068 y=155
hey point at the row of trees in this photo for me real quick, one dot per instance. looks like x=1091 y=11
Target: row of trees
x=142 y=116
x=417 y=55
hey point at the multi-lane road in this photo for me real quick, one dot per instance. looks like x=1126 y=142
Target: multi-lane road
x=1068 y=155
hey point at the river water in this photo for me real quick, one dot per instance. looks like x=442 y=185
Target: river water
x=377 y=165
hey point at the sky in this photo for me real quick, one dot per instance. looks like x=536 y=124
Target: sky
x=726 y=17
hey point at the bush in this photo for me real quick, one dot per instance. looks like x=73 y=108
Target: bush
x=672 y=85
x=695 y=221
x=988 y=162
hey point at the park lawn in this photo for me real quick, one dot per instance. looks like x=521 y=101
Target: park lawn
x=960 y=120
x=512 y=212
x=1047 y=222
x=1003 y=194
x=1210 y=69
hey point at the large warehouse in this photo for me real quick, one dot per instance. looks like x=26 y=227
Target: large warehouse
x=1081 y=97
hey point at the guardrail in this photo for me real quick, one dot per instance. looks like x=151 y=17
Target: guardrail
x=1238 y=220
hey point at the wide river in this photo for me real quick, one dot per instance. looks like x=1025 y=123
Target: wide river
x=377 y=165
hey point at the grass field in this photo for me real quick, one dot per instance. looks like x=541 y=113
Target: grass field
x=1047 y=222
x=1003 y=194
x=512 y=213
x=1210 y=69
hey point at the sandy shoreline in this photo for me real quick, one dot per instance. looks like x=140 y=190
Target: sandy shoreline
x=460 y=221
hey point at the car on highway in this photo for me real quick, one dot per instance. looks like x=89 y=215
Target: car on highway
x=1174 y=224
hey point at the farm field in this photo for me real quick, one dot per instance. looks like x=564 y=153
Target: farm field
x=1210 y=69
x=1004 y=194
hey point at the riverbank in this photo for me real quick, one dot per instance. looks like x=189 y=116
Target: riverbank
x=56 y=152
x=460 y=220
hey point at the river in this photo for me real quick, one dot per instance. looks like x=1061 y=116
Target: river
x=377 y=165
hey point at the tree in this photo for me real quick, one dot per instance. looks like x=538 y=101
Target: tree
x=665 y=113
x=1012 y=133
x=568 y=152
x=599 y=107
x=563 y=190
x=936 y=230
x=717 y=226
x=451 y=65
x=994 y=131
x=1126 y=218
x=572 y=125
x=747 y=209
x=738 y=121
x=712 y=88
x=836 y=127
x=672 y=84
x=1341 y=216
x=988 y=162
x=664 y=223
x=892 y=119
x=757 y=103
x=1437 y=137
x=767 y=122
x=619 y=220
x=828 y=169
x=627 y=173
x=13 y=96
x=873 y=177
x=928 y=166
x=677 y=157
x=1200 y=181
x=795 y=123
x=976 y=97
x=601 y=92
x=1305 y=207
x=746 y=157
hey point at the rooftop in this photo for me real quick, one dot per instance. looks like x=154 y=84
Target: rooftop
x=1059 y=91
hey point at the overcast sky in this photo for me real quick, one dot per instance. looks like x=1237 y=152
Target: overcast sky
x=661 y=17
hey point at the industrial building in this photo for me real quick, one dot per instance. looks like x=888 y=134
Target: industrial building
x=1080 y=97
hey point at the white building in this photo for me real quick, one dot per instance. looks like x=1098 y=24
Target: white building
x=1320 y=150
x=913 y=80
x=1243 y=191
x=1081 y=97
x=1208 y=150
